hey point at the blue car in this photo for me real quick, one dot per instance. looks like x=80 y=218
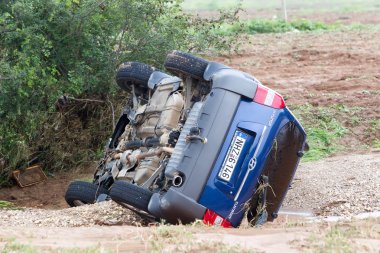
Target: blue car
x=235 y=153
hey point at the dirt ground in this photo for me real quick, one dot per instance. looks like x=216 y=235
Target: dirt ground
x=286 y=235
x=48 y=194
x=321 y=69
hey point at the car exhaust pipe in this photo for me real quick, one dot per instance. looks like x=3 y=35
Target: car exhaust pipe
x=177 y=180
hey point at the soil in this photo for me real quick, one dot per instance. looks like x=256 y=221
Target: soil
x=321 y=69
x=48 y=194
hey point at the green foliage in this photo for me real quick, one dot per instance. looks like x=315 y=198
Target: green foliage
x=322 y=128
x=49 y=48
x=5 y=204
x=376 y=143
x=280 y=26
x=12 y=246
x=337 y=239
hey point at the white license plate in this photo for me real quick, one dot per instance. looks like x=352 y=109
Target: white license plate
x=233 y=155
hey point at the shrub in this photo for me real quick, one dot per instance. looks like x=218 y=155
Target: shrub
x=54 y=47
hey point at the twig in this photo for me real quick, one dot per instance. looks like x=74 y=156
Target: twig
x=113 y=112
x=86 y=100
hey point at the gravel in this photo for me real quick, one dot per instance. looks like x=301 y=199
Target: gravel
x=103 y=213
x=338 y=186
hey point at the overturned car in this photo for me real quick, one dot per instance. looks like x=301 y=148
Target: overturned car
x=209 y=143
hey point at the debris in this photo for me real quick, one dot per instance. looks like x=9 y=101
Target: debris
x=29 y=176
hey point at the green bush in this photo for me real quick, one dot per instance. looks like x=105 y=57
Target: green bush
x=54 y=47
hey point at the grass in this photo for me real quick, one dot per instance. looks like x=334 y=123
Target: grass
x=342 y=237
x=14 y=247
x=339 y=237
x=5 y=204
x=276 y=25
x=376 y=143
x=322 y=128
x=280 y=26
x=180 y=238
x=326 y=126
x=335 y=240
x=85 y=179
x=255 y=26
x=374 y=126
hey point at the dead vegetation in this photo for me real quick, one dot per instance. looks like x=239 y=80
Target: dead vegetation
x=71 y=136
x=343 y=237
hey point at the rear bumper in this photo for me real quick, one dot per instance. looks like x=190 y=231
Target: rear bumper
x=175 y=207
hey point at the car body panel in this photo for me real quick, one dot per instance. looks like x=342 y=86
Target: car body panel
x=247 y=132
x=231 y=197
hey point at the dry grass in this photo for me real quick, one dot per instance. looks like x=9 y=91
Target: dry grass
x=180 y=238
x=342 y=237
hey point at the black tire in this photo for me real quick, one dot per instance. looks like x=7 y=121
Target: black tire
x=132 y=195
x=178 y=63
x=134 y=73
x=79 y=193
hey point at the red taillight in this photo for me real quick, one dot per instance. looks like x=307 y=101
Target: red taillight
x=211 y=218
x=269 y=97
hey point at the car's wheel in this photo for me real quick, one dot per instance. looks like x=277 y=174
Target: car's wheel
x=125 y=193
x=81 y=193
x=180 y=63
x=135 y=73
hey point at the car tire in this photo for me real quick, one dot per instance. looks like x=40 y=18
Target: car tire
x=125 y=193
x=81 y=193
x=136 y=73
x=180 y=63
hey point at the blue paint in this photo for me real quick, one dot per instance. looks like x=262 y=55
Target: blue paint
x=259 y=125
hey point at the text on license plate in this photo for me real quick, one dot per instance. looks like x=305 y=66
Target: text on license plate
x=233 y=155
